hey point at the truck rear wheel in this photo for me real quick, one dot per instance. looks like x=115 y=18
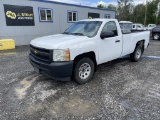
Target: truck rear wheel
x=137 y=54
x=84 y=71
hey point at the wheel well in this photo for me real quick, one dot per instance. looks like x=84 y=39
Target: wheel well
x=141 y=43
x=155 y=33
x=91 y=55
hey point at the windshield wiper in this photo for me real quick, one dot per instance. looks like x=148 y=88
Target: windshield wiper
x=73 y=33
x=77 y=34
x=65 y=33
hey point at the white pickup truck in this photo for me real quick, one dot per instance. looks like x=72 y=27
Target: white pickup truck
x=138 y=27
x=76 y=53
x=151 y=26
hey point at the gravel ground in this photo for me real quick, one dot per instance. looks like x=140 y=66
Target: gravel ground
x=120 y=90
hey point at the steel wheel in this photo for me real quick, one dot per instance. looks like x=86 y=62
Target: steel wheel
x=138 y=53
x=84 y=71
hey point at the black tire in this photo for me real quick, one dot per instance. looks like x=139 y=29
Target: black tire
x=134 y=56
x=79 y=72
x=156 y=36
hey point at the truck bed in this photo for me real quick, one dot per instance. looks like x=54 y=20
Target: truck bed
x=132 y=31
x=130 y=39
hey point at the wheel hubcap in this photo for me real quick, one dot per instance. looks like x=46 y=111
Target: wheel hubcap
x=84 y=71
x=156 y=37
x=138 y=53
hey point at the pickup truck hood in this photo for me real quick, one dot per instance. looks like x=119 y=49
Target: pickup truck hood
x=55 y=41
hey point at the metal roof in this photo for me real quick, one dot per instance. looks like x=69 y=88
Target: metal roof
x=68 y=4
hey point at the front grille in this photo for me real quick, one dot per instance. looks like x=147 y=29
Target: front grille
x=41 y=54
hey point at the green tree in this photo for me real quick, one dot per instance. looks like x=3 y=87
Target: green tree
x=139 y=13
x=152 y=8
x=124 y=9
x=111 y=7
x=158 y=17
x=101 y=6
x=127 y=11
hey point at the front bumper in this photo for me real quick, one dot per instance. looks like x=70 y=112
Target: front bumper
x=56 y=70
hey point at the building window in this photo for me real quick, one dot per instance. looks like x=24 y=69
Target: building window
x=45 y=14
x=108 y=16
x=72 y=16
x=93 y=15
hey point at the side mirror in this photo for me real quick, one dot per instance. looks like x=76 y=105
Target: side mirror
x=107 y=34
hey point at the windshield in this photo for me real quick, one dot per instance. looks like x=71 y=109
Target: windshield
x=85 y=28
x=152 y=25
x=140 y=26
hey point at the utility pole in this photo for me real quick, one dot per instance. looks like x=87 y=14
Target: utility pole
x=145 y=19
x=158 y=7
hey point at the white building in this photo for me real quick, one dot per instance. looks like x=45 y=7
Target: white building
x=24 y=20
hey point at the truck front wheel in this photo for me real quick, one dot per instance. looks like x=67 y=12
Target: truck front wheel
x=84 y=70
x=137 y=54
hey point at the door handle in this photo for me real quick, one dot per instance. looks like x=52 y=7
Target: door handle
x=117 y=41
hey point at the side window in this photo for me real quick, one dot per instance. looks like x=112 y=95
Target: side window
x=45 y=14
x=110 y=26
x=138 y=26
x=133 y=26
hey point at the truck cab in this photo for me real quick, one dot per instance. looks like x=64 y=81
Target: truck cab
x=76 y=53
x=151 y=26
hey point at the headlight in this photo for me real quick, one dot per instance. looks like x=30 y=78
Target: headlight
x=61 y=55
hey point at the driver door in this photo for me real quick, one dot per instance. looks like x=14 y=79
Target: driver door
x=110 y=48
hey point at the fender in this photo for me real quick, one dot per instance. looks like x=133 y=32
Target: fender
x=82 y=47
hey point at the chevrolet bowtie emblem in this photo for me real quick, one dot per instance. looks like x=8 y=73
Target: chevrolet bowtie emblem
x=35 y=52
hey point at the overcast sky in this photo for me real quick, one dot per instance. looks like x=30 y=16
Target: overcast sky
x=94 y=3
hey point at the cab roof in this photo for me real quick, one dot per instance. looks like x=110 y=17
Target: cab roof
x=125 y=22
